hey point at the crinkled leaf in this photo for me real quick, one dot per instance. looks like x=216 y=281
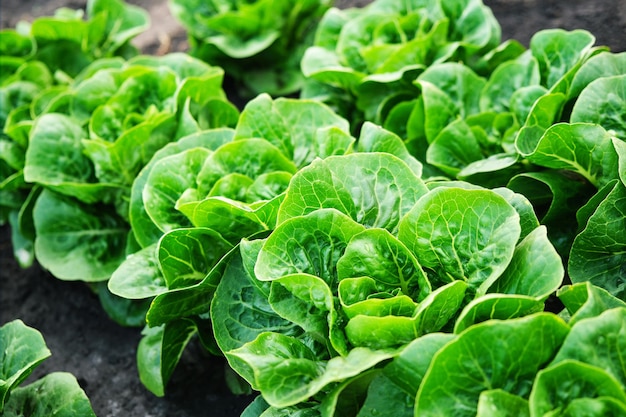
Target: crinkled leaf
x=585 y=300
x=490 y=355
x=462 y=234
x=496 y=306
x=144 y=229
x=602 y=102
x=558 y=386
x=290 y=125
x=309 y=244
x=584 y=148
x=375 y=189
x=377 y=254
x=287 y=372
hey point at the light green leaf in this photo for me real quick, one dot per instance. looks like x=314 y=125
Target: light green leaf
x=55 y=158
x=377 y=254
x=557 y=386
x=585 y=300
x=139 y=276
x=291 y=125
x=375 y=189
x=462 y=234
x=168 y=179
x=22 y=349
x=499 y=403
x=310 y=244
x=496 y=306
x=307 y=301
x=187 y=255
x=144 y=229
x=160 y=350
x=287 y=372
x=599 y=252
x=558 y=51
x=57 y=394
x=490 y=355
x=78 y=242
x=536 y=269
x=584 y=148
x=599 y=341
x=604 y=64
x=602 y=102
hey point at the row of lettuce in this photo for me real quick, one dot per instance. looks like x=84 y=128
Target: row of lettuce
x=385 y=244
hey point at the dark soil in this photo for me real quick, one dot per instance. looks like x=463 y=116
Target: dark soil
x=100 y=353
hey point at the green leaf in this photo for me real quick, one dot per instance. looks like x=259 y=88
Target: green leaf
x=375 y=189
x=55 y=158
x=583 y=148
x=374 y=138
x=585 y=300
x=604 y=64
x=496 y=306
x=291 y=125
x=602 y=102
x=506 y=79
x=168 y=180
x=407 y=370
x=76 y=241
x=536 y=269
x=599 y=252
x=248 y=157
x=288 y=372
x=377 y=254
x=307 y=301
x=499 y=403
x=186 y=256
x=240 y=312
x=558 y=51
x=394 y=328
x=160 y=350
x=123 y=21
x=120 y=162
x=57 y=394
x=139 y=276
x=310 y=244
x=462 y=234
x=22 y=349
x=558 y=386
x=599 y=341
x=543 y=113
x=144 y=229
x=490 y=355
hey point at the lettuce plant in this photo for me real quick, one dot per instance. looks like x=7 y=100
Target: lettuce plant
x=364 y=259
x=193 y=203
x=114 y=121
x=259 y=43
x=39 y=61
x=22 y=349
x=364 y=60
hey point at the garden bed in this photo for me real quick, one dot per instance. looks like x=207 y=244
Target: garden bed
x=100 y=353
